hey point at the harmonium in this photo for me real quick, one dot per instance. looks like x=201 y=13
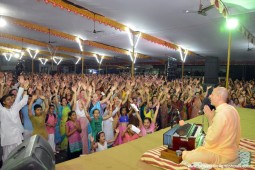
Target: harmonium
x=180 y=138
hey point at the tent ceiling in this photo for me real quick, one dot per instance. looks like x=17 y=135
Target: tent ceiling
x=165 y=19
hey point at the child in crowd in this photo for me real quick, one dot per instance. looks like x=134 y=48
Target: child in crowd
x=129 y=134
x=108 y=125
x=11 y=127
x=148 y=125
x=50 y=122
x=73 y=130
x=123 y=123
x=96 y=121
x=101 y=143
x=38 y=120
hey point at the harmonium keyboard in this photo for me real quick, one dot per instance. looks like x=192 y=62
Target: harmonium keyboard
x=186 y=137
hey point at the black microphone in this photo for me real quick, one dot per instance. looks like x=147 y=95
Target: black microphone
x=179 y=115
x=181 y=122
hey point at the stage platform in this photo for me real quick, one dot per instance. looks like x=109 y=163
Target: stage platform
x=127 y=156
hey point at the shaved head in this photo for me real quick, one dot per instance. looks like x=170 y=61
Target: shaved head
x=222 y=92
x=219 y=96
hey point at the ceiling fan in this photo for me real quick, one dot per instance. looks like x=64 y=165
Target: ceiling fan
x=50 y=42
x=201 y=10
x=94 y=30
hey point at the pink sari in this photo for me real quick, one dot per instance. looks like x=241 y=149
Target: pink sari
x=84 y=134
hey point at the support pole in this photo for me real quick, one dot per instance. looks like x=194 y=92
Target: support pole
x=51 y=64
x=166 y=69
x=228 y=62
x=133 y=57
x=32 y=65
x=182 y=71
x=82 y=66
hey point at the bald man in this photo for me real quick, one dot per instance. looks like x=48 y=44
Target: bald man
x=221 y=143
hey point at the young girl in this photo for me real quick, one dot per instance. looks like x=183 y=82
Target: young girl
x=108 y=125
x=50 y=122
x=73 y=130
x=63 y=110
x=96 y=121
x=123 y=123
x=147 y=126
x=101 y=143
x=129 y=134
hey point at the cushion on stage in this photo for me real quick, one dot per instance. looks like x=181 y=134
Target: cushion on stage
x=246 y=159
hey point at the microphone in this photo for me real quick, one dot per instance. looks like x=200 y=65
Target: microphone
x=178 y=113
x=181 y=122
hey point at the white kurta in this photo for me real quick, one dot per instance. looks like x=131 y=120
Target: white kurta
x=11 y=127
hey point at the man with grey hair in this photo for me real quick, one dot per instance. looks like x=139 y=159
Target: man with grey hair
x=221 y=144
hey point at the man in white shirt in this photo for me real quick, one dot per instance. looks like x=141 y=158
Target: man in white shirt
x=10 y=126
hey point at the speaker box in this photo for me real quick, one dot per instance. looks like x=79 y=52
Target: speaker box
x=211 y=70
x=171 y=69
x=33 y=154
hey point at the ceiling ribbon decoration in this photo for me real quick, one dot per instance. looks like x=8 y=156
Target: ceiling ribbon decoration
x=63 y=35
x=222 y=8
x=247 y=34
x=109 y=22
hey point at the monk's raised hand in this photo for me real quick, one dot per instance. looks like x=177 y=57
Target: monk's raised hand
x=208 y=112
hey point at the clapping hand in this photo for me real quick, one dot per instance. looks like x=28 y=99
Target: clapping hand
x=208 y=112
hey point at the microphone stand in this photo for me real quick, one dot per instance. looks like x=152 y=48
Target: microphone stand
x=175 y=114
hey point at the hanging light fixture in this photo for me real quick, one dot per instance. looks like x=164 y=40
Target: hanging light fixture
x=57 y=60
x=35 y=54
x=78 y=40
x=183 y=59
x=101 y=59
x=8 y=56
x=79 y=58
x=43 y=60
x=3 y=22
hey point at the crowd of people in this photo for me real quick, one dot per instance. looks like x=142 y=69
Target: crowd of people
x=83 y=114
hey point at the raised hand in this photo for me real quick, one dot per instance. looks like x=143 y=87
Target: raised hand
x=83 y=85
x=157 y=106
x=34 y=97
x=26 y=84
x=117 y=130
x=21 y=80
x=2 y=82
x=42 y=97
x=92 y=139
x=90 y=89
x=74 y=88
x=79 y=83
x=63 y=84
x=39 y=86
x=166 y=90
x=208 y=87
